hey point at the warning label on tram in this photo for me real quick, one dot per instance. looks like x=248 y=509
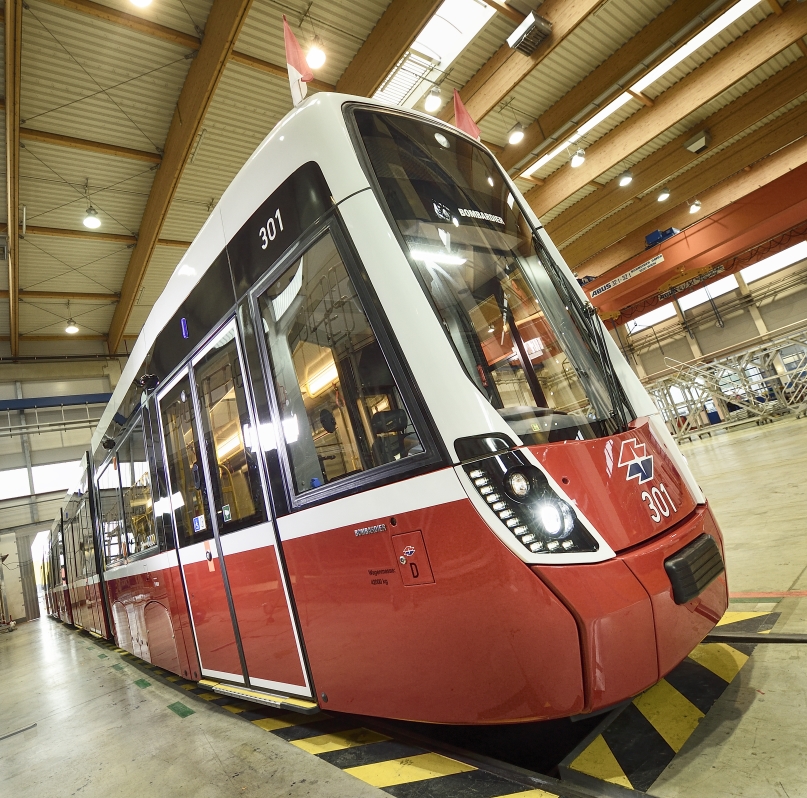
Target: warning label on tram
x=623 y=278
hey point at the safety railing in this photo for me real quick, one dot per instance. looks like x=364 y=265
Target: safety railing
x=760 y=384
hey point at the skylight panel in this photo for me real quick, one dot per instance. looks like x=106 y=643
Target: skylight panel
x=774 y=263
x=714 y=290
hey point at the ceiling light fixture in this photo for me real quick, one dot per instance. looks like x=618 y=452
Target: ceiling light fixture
x=516 y=134
x=664 y=195
x=72 y=327
x=578 y=159
x=625 y=179
x=315 y=57
x=433 y=100
x=669 y=63
x=141 y=3
x=91 y=219
x=695 y=206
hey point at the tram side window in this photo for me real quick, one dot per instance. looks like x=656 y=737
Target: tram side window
x=226 y=425
x=135 y=480
x=184 y=466
x=341 y=410
x=86 y=547
x=113 y=536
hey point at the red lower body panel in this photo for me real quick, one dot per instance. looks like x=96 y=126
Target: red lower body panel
x=617 y=633
x=631 y=629
x=485 y=641
x=211 y=618
x=263 y=616
x=679 y=627
x=150 y=619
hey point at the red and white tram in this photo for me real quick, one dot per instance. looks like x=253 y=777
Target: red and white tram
x=372 y=449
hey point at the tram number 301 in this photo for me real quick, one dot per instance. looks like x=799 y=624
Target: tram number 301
x=269 y=232
x=657 y=502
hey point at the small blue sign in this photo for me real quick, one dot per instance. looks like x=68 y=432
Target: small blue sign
x=183 y=323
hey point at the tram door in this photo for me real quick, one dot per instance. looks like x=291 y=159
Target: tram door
x=236 y=585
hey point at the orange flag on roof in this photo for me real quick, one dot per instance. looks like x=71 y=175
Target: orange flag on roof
x=462 y=119
x=299 y=72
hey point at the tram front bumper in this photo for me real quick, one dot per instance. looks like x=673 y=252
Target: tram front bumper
x=632 y=631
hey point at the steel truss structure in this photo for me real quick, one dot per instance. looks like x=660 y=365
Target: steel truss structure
x=757 y=385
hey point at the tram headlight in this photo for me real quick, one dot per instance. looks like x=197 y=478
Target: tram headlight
x=556 y=517
x=518 y=484
x=526 y=506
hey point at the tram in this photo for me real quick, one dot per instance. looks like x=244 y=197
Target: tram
x=373 y=451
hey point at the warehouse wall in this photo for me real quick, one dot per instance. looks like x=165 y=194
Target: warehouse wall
x=778 y=300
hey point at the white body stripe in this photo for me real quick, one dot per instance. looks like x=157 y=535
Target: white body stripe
x=229 y=677
x=418 y=493
x=157 y=562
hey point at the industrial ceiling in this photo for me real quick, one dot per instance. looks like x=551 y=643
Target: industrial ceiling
x=146 y=114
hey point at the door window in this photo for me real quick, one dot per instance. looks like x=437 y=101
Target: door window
x=135 y=480
x=340 y=407
x=184 y=466
x=113 y=535
x=238 y=497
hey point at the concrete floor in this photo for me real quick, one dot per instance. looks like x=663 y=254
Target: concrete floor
x=753 y=743
x=100 y=735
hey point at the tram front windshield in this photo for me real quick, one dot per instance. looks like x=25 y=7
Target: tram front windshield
x=474 y=253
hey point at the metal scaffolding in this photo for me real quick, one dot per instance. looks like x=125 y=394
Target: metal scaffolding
x=757 y=385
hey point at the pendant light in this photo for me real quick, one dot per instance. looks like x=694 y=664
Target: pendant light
x=578 y=159
x=72 y=327
x=91 y=219
x=433 y=100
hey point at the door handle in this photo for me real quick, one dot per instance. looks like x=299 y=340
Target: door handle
x=197 y=476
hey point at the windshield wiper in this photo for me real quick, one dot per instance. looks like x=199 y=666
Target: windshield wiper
x=585 y=316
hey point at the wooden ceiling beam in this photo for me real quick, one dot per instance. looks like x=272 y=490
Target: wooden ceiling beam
x=604 y=77
x=41 y=136
x=113 y=238
x=506 y=11
x=716 y=186
x=148 y=28
x=388 y=41
x=130 y=21
x=506 y=68
x=721 y=196
x=764 y=41
x=273 y=69
x=63 y=337
x=64 y=295
x=656 y=169
x=221 y=31
x=13 y=54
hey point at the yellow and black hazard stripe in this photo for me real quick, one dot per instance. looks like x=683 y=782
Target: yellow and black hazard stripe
x=397 y=767
x=636 y=742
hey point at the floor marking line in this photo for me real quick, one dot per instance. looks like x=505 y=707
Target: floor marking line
x=736 y=617
x=670 y=713
x=286 y=720
x=598 y=760
x=774 y=594
x=408 y=769
x=720 y=658
x=339 y=741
